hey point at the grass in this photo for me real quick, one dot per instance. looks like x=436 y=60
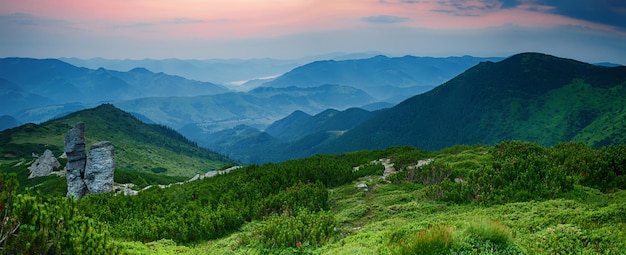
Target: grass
x=390 y=220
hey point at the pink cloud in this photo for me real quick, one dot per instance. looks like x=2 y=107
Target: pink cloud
x=246 y=18
x=172 y=23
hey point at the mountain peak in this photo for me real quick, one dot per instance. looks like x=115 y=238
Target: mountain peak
x=141 y=70
x=530 y=58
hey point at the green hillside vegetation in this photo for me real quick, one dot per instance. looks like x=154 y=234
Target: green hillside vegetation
x=510 y=198
x=139 y=147
x=529 y=96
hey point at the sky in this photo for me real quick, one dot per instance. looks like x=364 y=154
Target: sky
x=586 y=30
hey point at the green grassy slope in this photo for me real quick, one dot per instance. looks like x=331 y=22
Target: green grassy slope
x=406 y=213
x=530 y=96
x=139 y=147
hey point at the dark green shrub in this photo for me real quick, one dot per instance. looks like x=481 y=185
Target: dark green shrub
x=212 y=207
x=295 y=229
x=560 y=239
x=159 y=170
x=32 y=224
x=521 y=171
x=313 y=197
x=607 y=169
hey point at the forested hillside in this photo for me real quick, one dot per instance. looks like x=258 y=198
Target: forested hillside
x=529 y=96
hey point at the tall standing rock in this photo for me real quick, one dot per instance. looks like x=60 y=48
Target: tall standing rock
x=76 y=159
x=100 y=168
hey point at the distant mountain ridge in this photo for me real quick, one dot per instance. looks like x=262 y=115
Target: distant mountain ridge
x=221 y=71
x=386 y=79
x=52 y=81
x=529 y=96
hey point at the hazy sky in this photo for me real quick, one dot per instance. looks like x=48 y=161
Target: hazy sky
x=588 y=30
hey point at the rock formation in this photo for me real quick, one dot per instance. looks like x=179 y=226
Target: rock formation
x=44 y=165
x=76 y=159
x=93 y=174
x=100 y=167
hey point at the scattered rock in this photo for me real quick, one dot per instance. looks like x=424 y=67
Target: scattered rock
x=216 y=172
x=195 y=178
x=424 y=162
x=362 y=186
x=125 y=188
x=44 y=165
x=122 y=188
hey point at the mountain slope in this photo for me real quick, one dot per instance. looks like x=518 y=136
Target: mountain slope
x=65 y=83
x=295 y=136
x=299 y=124
x=14 y=99
x=528 y=96
x=138 y=146
x=387 y=79
x=7 y=121
x=245 y=144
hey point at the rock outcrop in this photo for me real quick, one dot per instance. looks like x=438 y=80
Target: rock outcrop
x=87 y=174
x=44 y=165
x=76 y=160
x=100 y=167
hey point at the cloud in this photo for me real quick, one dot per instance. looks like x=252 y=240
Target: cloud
x=385 y=19
x=24 y=19
x=454 y=7
x=468 y=7
x=605 y=12
x=185 y=21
